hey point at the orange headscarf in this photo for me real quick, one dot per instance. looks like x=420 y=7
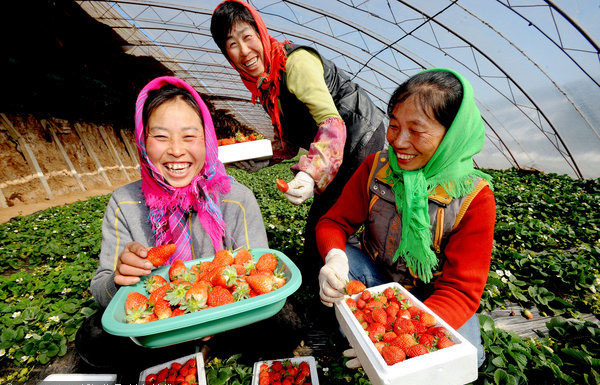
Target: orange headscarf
x=265 y=88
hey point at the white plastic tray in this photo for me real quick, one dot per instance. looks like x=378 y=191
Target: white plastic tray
x=456 y=364
x=295 y=360
x=200 y=373
x=256 y=149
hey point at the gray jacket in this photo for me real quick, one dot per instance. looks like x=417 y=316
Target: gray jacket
x=126 y=220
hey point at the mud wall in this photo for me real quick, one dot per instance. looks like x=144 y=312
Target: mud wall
x=43 y=158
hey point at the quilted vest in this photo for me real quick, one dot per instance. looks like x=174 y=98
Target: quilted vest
x=383 y=229
x=357 y=110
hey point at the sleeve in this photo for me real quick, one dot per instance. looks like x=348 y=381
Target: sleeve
x=305 y=79
x=244 y=220
x=457 y=292
x=348 y=213
x=115 y=235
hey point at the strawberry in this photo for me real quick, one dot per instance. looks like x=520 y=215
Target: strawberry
x=404 y=326
x=354 y=287
x=150 y=379
x=267 y=262
x=260 y=283
x=241 y=290
x=239 y=269
x=376 y=331
x=438 y=331
x=419 y=326
x=162 y=309
x=365 y=296
x=351 y=304
x=389 y=293
x=177 y=311
x=282 y=185
x=241 y=257
x=278 y=278
x=224 y=275
x=427 y=319
x=195 y=297
x=159 y=293
x=158 y=255
x=403 y=313
x=416 y=350
x=389 y=337
x=392 y=354
x=444 y=342
x=177 y=269
x=162 y=375
x=223 y=257
x=427 y=340
x=392 y=309
x=176 y=294
x=404 y=341
x=527 y=314
x=136 y=308
x=154 y=282
x=240 y=138
x=360 y=303
x=359 y=314
x=379 y=315
x=219 y=296
x=414 y=311
x=373 y=304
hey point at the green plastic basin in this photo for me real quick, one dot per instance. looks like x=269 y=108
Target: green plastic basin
x=205 y=322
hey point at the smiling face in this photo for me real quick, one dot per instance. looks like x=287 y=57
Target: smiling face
x=175 y=142
x=245 y=50
x=413 y=135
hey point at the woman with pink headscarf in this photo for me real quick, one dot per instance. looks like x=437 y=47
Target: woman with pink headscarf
x=184 y=196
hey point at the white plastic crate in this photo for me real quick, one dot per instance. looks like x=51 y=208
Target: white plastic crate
x=200 y=373
x=295 y=360
x=256 y=150
x=454 y=365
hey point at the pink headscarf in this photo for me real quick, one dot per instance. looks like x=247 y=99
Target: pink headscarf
x=201 y=195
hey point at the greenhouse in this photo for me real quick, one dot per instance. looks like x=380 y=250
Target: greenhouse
x=69 y=135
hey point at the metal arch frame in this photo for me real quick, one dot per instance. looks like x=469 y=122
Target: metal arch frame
x=572 y=163
x=151 y=4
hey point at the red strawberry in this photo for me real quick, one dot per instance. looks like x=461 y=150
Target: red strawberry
x=136 y=308
x=392 y=354
x=427 y=319
x=219 y=296
x=154 y=282
x=159 y=293
x=360 y=303
x=389 y=293
x=241 y=290
x=527 y=314
x=359 y=314
x=195 y=297
x=239 y=269
x=379 y=315
x=376 y=331
x=223 y=257
x=177 y=269
x=162 y=375
x=416 y=350
x=282 y=185
x=379 y=346
x=427 y=340
x=419 y=326
x=224 y=275
x=162 y=309
x=150 y=379
x=444 y=342
x=267 y=262
x=414 y=311
x=160 y=254
x=177 y=311
x=438 y=331
x=404 y=341
x=355 y=287
x=260 y=283
x=373 y=304
x=389 y=337
x=366 y=295
x=404 y=326
x=403 y=313
x=351 y=304
x=392 y=309
x=242 y=256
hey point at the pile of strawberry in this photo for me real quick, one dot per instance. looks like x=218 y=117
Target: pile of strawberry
x=398 y=329
x=175 y=374
x=225 y=279
x=239 y=138
x=284 y=373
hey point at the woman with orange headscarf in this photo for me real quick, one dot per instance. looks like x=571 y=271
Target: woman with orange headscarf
x=312 y=104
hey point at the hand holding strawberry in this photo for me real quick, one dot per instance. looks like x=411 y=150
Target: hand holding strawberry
x=132 y=264
x=158 y=255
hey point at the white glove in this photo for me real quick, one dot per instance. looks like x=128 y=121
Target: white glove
x=333 y=277
x=251 y=165
x=300 y=188
x=354 y=363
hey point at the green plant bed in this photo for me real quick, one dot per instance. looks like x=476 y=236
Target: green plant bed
x=546 y=254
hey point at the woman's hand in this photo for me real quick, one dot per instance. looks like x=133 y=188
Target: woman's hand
x=300 y=188
x=132 y=264
x=333 y=277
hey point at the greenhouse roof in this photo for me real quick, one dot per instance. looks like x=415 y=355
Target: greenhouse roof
x=534 y=65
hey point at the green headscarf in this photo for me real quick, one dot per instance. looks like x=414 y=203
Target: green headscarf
x=451 y=166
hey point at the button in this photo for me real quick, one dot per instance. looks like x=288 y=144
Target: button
x=374 y=187
x=382 y=192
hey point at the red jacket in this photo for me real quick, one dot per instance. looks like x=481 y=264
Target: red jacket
x=457 y=292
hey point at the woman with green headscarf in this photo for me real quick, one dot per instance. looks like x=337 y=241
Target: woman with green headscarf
x=428 y=214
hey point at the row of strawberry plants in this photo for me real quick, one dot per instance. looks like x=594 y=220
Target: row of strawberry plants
x=48 y=259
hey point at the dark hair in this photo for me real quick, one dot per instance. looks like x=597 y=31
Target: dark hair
x=224 y=18
x=161 y=95
x=439 y=93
